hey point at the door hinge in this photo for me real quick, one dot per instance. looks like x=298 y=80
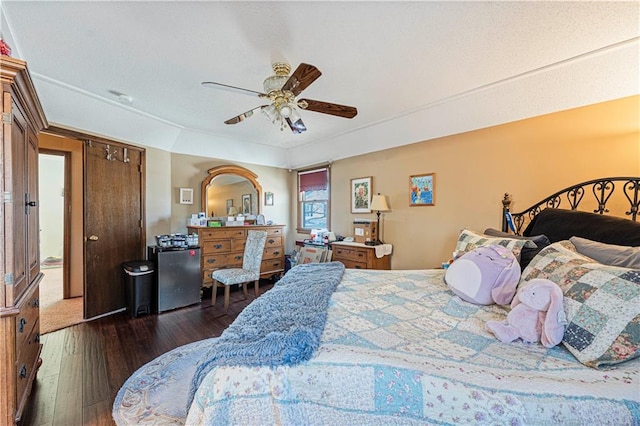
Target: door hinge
x=7 y=197
x=6 y=118
x=8 y=279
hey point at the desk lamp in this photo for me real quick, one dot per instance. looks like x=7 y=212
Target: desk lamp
x=379 y=204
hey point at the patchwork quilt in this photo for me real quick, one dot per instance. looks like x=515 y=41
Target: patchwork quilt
x=398 y=348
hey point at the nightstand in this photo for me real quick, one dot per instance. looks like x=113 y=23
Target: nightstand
x=360 y=256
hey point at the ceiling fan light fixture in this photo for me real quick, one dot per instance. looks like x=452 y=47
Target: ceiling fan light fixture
x=286 y=110
x=271 y=113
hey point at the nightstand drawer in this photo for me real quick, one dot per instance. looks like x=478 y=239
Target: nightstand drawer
x=353 y=264
x=354 y=254
x=273 y=253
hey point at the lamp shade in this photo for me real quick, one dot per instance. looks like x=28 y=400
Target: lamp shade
x=379 y=203
x=232 y=210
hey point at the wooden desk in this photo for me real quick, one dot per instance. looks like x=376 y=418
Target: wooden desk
x=359 y=256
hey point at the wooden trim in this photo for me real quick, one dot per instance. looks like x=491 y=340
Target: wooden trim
x=14 y=71
x=83 y=136
x=229 y=170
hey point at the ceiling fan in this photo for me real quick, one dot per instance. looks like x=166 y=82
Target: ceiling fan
x=283 y=90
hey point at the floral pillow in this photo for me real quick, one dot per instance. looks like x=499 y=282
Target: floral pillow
x=469 y=240
x=601 y=302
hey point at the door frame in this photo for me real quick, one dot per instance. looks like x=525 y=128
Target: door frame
x=85 y=138
x=66 y=220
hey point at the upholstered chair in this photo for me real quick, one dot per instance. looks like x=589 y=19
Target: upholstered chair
x=250 y=270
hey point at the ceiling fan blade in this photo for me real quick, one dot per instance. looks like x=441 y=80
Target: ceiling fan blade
x=328 y=108
x=296 y=126
x=301 y=78
x=238 y=118
x=229 y=88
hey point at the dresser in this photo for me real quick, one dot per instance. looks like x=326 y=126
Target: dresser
x=22 y=119
x=359 y=256
x=223 y=247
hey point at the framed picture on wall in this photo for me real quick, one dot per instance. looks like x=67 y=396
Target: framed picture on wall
x=268 y=198
x=186 y=195
x=422 y=190
x=229 y=205
x=246 y=204
x=361 y=195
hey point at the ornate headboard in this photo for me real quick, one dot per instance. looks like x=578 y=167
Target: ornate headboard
x=598 y=191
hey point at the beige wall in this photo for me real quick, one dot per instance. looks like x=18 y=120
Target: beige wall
x=530 y=159
x=188 y=171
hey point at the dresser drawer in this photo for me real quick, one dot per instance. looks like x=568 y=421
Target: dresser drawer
x=217 y=261
x=217 y=246
x=238 y=245
x=217 y=233
x=29 y=312
x=353 y=264
x=354 y=254
x=272 y=253
x=273 y=241
x=271 y=265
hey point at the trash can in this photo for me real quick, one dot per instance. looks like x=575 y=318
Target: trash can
x=139 y=285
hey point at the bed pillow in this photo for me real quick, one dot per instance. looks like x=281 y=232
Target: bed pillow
x=560 y=225
x=469 y=240
x=609 y=254
x=528 y=253
x=601 y=303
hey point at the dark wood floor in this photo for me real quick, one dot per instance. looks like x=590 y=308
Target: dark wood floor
x=84 y=366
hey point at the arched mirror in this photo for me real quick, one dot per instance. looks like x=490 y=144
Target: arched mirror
x=230 y=186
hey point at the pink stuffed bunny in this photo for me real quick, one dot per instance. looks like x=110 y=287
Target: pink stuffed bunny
x=537 y=315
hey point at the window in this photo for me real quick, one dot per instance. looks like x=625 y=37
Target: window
x=313 y=199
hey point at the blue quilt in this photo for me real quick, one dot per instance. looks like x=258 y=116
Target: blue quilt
x=398 y=348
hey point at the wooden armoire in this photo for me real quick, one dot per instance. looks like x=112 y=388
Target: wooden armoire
x=22 y=119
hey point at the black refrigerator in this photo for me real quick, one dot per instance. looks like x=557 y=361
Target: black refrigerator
x=177 y=276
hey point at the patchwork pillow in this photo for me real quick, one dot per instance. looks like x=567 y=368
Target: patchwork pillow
x=601 y=302
x=609 y=254
x=469 y=240
x=528 y=253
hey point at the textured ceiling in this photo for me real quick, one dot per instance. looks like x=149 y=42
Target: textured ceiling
x=408 y=67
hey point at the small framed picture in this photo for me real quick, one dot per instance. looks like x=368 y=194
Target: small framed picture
x=186 y=195
x=229 y=204
x=268 y=198
x=361 y=195
x=246 y=204
x=422 y=190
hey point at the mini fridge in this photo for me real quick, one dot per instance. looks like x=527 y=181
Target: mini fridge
x=177 y=276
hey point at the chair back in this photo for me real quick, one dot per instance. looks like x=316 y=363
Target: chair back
x=253 y=250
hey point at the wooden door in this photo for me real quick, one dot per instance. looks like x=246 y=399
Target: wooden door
x=113 y=222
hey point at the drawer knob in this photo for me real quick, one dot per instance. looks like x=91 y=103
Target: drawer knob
x=36 y=338
x=23 y=371
x=23 y=322
x=36 y=302
x=211 y=260
x=276 y=253
x=238 y=257
x=271 y=241
x=218 y=246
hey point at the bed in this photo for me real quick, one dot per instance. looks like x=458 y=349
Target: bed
x=398 y=347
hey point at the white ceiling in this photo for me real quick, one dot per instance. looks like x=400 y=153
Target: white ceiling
x=414 y=70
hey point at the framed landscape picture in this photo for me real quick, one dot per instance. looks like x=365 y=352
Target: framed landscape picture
x=422 y=190
x=361 y=195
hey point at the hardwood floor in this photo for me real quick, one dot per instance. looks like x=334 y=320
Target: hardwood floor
x=84 y=366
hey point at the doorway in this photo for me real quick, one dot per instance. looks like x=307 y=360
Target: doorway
x=59 y=306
